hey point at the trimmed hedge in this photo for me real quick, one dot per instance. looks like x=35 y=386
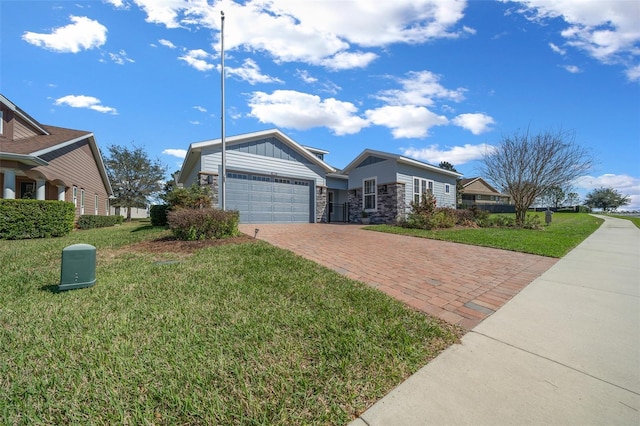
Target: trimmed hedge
x=203 y=224
x=24 y=219
x=158 y=214
x=91 y=221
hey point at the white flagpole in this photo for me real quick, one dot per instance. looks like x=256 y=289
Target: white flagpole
x=223 y=180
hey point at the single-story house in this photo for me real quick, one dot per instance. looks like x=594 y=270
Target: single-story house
x=479 y=192
x=270 y=178
x=50 y=163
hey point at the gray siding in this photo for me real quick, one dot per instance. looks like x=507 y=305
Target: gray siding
x=242 y=161
x=384 y=171
x=406 y=174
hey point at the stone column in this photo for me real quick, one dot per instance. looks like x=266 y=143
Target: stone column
x=9 y=191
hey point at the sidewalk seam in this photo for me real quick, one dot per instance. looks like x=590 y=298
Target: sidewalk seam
x=555 y=362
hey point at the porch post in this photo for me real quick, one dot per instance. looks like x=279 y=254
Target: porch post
x=61 y=189
x=9 y=191
x=40 y=189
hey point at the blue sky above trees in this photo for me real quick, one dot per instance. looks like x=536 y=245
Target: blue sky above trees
x=435 y=81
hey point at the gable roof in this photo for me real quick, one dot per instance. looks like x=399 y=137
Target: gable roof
x=470 y=181
x=50 y=138
x=398 y=158
x=195 y=149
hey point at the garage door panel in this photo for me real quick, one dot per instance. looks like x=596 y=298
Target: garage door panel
x=261 y=199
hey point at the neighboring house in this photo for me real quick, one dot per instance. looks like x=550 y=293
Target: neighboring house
x=50 y=163
x=272 y=178
x=479 y=192
x=136 y=212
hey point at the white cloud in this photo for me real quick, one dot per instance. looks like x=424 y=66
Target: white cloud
x=633 y=73
x=349 y=60
x=250 y=72
x=625 y=184
x=608 y=31
x=120 y=58
x=406 y=121
x=82 y=34
x=119 y=4
x=320 y=33
x=82 y=101
x=557 y=49
x=302 y=111
x=420 y=88
x=573 y=69
x=197 y=59
x=456 y=155
x=180 y=153
x=199 y=108
x=167 y=43
x=477 y=123
x=306 y=77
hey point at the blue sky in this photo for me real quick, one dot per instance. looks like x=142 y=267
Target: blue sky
x=432 y=80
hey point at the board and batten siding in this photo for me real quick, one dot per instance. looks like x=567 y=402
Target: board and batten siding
x=258 y=164
x=384 y=172
x=75 y=165
x=406 y=174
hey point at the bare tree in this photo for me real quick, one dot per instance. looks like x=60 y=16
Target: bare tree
x=526 y=166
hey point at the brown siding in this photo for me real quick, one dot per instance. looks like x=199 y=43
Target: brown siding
x=75 y=165
x=22 y=129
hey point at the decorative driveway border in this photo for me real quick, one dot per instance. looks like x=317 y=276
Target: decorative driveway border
x=459 y=283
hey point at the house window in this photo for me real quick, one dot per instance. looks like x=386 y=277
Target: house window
x=95 y=204
x=447 y=188
x=75 y=196
x=1 y=122
x=420 y=187
x=82 y=201
x=369 y=194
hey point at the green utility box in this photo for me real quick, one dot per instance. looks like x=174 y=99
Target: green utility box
x=78 y=267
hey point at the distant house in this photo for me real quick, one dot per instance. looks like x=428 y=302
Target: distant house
x=273 y=179
x=50 y=163
x=479 y=192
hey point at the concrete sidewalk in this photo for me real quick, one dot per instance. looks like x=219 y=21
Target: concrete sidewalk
x=565 y=350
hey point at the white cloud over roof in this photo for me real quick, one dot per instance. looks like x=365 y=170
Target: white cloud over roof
x=88 y=102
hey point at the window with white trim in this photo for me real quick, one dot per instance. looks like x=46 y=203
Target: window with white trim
x=447 y=188
x=75 y=196
x=1 y=122
x=420 y=187
x=82 y=201
x=369 y=194
x=95 y=205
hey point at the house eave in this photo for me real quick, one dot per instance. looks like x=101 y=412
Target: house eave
x=29 y=160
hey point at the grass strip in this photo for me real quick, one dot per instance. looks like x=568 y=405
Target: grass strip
x=565 y=232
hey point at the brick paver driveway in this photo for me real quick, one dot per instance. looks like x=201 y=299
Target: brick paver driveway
x=458 y=283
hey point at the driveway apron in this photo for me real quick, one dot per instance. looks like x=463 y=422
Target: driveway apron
x=458 y=283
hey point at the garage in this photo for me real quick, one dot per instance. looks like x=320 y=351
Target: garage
x=269 y=199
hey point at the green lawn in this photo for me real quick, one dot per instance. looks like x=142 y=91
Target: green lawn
x=566 y=231
x=635 y=220
x=233 y=334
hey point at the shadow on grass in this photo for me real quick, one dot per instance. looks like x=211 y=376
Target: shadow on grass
x=51 y=288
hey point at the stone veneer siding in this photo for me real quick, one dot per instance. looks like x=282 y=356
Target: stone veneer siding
x=322 y=205
x=213 y=187
x=389 y=203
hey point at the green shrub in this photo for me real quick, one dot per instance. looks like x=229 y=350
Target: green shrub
x=190 y=198
x=24 y=219
x=158 y=214
x=203 y=224
x=91 y=221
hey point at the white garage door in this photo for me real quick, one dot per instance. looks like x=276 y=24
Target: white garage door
x=266 y=199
